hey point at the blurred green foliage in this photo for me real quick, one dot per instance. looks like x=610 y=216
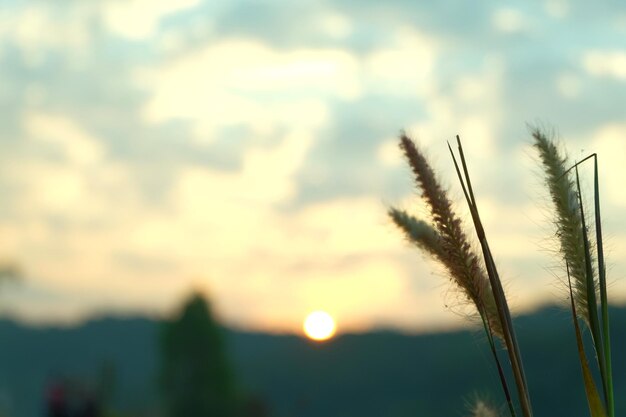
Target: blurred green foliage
x=196 y=376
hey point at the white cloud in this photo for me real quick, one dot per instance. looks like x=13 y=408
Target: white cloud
x=172 y=40
x=79 y=221
x=39 y=28
x=266 y=178
x=477 y=133
x=215 y=221
x=610 y=144
x=473 y=89
x=64 y=183
x=509 y=20
x=78 y=146
x=405 y=67
x=243 y=81
x=389 y=152
x=557 y=8
x=216 y=226
x=246 y=82
x=335 y=24
x=225 y=227
x=605 y=63
x=70 y=210
x=139 y=19
x=472 y=111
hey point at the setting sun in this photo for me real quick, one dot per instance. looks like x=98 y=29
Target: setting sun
x=319 y=325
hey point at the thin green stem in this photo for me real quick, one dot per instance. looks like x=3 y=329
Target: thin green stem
x=592 y=307
x=606 y=338
x=492 y=346
x=593 y=398
x=496 y=287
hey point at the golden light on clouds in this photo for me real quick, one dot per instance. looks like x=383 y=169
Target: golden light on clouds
x=258 y=155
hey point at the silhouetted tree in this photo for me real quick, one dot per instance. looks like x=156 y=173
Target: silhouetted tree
x=106 y=386
x=196 y=374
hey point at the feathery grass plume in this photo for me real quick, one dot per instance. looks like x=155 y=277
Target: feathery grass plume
x=482 y=409
x=446 y=241
x=418 y=232
x=425 y=237
x=568 y=218
x=577 y=253
x=504 y=314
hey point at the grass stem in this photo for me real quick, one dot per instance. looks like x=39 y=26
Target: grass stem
x=496 y=287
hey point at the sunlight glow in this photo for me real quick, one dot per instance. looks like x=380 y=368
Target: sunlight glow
x=319 y=326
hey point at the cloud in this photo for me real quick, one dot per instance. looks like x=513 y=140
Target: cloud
x=609 y=142
x=247 y=148
x=244 y=81
x=610 y=64
x=509 y=20
x=76 y=145
x=557 y=8
x=336 y=25
x=139 y=19
x=405 y=66
x=38 y=28
x=389 y=153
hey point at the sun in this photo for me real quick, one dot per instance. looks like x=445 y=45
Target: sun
x=319 y=325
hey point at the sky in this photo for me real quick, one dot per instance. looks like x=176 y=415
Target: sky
x=248 y=150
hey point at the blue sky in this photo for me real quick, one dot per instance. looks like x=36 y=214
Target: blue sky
x=247 y=149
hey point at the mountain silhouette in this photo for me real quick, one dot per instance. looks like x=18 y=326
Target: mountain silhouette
x=377 y=374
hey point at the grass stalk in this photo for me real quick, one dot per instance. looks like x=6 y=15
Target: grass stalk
x=606 y=336
x=567 y=217
x=605 y=350
x=594 y=324
x=503 y=382
x=496 y=287
x=593 y=398
x=449 y=244
x=444 y=239
x=577 y=252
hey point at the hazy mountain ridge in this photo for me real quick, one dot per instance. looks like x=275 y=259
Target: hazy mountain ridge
x=382 y=373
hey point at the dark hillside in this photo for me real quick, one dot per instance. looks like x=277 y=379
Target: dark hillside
x=375 y=374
